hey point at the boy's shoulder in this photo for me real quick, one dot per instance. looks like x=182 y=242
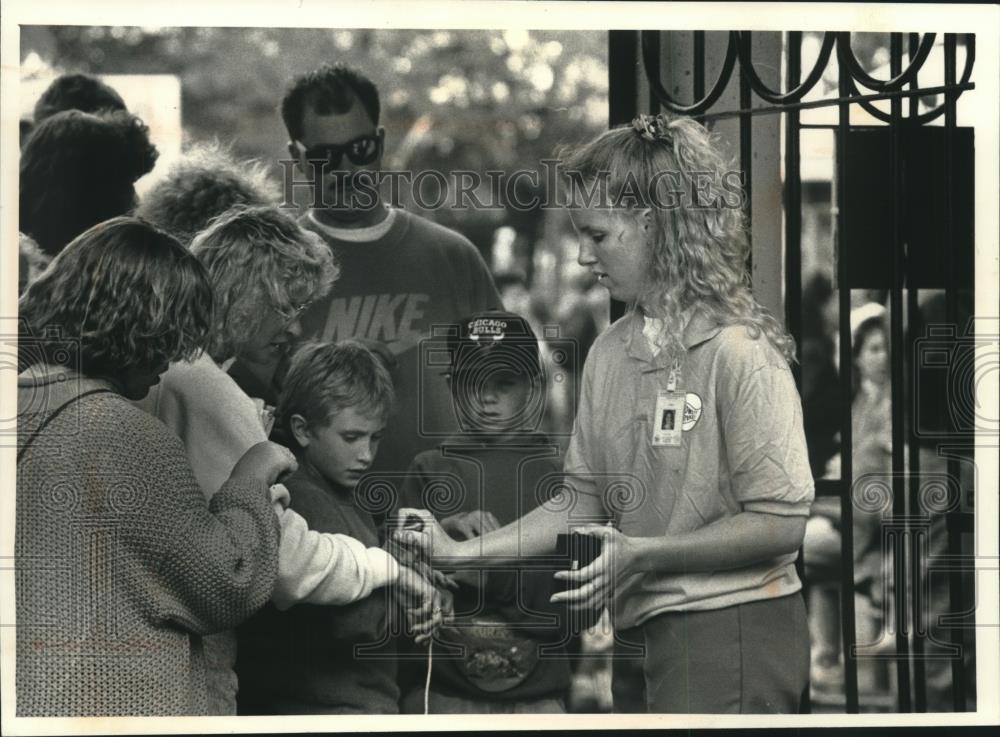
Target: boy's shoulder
x=318 y=502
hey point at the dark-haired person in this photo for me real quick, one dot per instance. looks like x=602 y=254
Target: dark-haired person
x=400 y=273
x=77 y=91
x=78 y=169
x=121 y=562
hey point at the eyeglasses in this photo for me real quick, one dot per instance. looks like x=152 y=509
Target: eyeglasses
x=360 y=151
x=293 y=313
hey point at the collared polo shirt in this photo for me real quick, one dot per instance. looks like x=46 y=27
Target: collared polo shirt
x=742 y=449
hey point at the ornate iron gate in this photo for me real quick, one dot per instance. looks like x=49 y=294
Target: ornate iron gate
x=635 y=61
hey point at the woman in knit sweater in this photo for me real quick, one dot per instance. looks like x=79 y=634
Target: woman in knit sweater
x=121 y=563
x=264 y=270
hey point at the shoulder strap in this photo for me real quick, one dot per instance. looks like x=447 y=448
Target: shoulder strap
x=55 y=413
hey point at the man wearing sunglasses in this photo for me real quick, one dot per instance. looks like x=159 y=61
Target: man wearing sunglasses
x=400 y=274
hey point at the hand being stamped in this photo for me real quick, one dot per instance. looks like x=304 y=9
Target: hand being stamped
x=426 y=607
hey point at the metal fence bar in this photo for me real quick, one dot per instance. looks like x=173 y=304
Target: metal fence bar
x=793 y=250
x=899 y=511
x=623 y=91
x=746 y=156
x=913 y=43
x=699 y=65
x=623 y=86
x=656 y=50
x=848 y=98
x=846 y=439
x=955 y=582
x=913 y=469
x=793 y=206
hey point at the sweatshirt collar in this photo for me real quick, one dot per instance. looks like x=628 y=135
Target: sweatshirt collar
x=357 y=235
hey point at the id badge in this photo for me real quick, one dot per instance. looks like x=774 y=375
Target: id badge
x=668 y=418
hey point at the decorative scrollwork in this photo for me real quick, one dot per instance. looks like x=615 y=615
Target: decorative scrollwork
x=779 y=98
x=848 y=61
x=927 y=117
x=650 y=63
x=739 y=49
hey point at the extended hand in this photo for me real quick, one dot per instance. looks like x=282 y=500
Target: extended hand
x=267 y=462
x=431 y=542
x=426 y=607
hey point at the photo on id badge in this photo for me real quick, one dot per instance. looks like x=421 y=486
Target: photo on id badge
x=676 y=413
x=666 y=428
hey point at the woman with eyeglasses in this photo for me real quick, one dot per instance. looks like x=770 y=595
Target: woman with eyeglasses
x=264 y=270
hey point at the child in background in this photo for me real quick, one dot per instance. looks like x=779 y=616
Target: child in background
x=502 y=468
x=334 y=406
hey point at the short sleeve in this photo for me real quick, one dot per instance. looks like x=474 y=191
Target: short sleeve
x=761 y=418
x=582 y=461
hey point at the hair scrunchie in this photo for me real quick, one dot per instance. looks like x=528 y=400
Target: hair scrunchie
x=650 y=127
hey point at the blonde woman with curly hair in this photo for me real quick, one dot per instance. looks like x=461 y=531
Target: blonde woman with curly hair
x=688 y=440
x=122 y=565
x=264 y=270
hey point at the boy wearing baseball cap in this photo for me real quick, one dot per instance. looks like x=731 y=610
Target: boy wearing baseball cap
x=497 y=469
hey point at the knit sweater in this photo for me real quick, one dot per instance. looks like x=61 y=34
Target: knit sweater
x=121 y=563
x=217 y=423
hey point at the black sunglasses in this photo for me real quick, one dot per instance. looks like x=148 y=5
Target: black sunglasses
x=361 y=150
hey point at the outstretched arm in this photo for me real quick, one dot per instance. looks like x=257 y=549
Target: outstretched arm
x=533 y=534
x=323 y=568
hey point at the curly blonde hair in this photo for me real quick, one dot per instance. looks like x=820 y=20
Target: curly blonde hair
x=121 y=295
x=259 y=259
x=698 y=254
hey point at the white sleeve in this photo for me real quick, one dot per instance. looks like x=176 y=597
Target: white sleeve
x=211 y=415
x=323 y=568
